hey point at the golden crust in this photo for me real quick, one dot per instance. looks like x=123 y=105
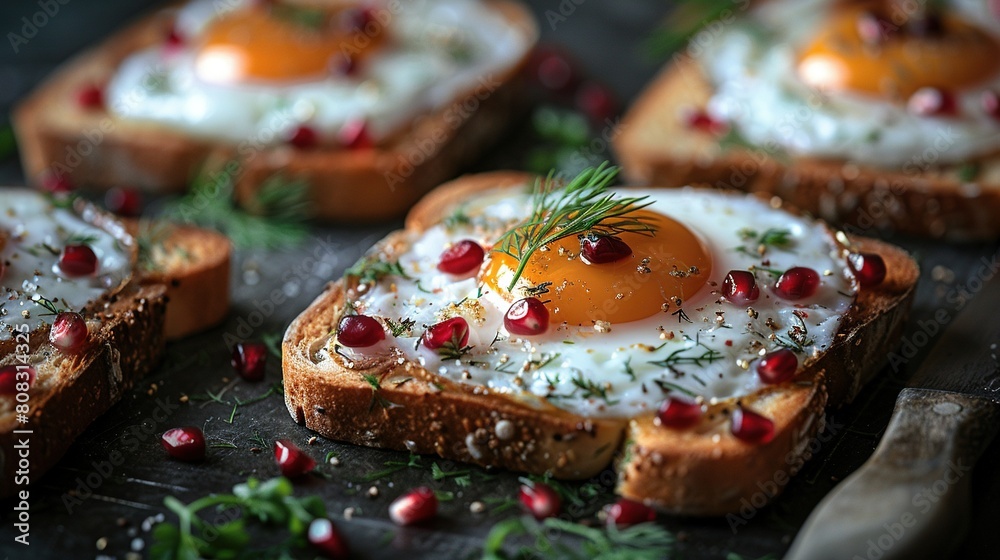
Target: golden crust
x=656 y=147
x=355 y=186
x=705 y=471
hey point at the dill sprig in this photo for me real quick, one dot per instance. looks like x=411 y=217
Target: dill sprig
x=583 y=206
x=559 y=539
x=371 y=268
x=684 y=356
x=684 y=21
x=273 y=218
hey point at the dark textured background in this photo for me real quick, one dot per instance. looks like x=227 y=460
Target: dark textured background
x=605 y=37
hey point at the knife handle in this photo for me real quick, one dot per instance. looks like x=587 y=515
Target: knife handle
x=911 y=498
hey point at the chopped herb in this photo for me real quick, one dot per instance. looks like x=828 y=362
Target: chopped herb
x=968 y=172
x=628 y=369
x=398 y=328
x=583 y=206
x=685 y=20
x=587 y=389
x=444 y=495
x=48 y=304
x=81 y=239
x=272 y=341
x=681 y=316
x=152 y=235
x=269 y=503
x=370 y=269
x=681 y=356
x=548 y=538
x=394 y=467
x=756 y=244
x=8 y=144
x=733 y=140
x=458 y=217
x=535 y=291
x=377 y=398
x=667 y=387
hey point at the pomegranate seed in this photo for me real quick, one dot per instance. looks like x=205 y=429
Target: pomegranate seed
x=627 y=512
x=324 y=536
x=174 y=39
x=184 y=444
x=700 y=120
x=778 y=366
x=596 y=101
x=248 y=360
x=461 y=258
x=358 y=18
x=990 y=101
x=552 y=69
x=124 y=202
x=69 y=332
x=354 y=136
x=751 y=427
x=359 y=331
x=77 y=260
x=343 y=66
x=796 y=283
x=527 y=316
x=415 y=506
x=90 y=97
x=9 y=381
x=678 y=413
x=451 y=331
x=933 y=102
x=540 y=500
x=603 y=249
x=292 y=461
x=869 y=268
x=303 y=137
x=56 y=183
x=740 y=287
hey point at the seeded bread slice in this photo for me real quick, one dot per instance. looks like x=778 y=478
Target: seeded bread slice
x=703 y=471
x=657 y=147
x=97 y=149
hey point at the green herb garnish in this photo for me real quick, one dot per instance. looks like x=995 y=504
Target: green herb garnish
x=268 y=503
x=684 y=356
x=968 y=172
x=370 y=269
x=582 y=207
x=645 y=541
x=403 y=326
x=686 y=20
x=757 y=243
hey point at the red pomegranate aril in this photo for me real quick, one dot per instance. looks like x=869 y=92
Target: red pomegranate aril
x=78 y=260
x=415 y=506
x=184 y=444
x=451 y=331
x=249 y=359
x=626 y=512
x=56 y=183
x=69 y=332
x=358 y=19
x=90 y=97
x=461 y=258
x=323 y=535
x=354 y=136
x=292 y=461
x=552 y=69
x=596 y=101
x=933 y=102
x=990 y=101
x=751 y=427
x=124 y=201
x=359 y=331
x=700 y=120
x=343 y=66
x=796 y=283
x=9 y=382
x=869 y=268
x=603 y=249
x=740 y=287
x=303 y=137
x=540 y=500
x=778 y=366
x=527 y=317
x=678 y=413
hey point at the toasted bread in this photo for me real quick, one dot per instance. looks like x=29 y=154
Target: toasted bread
x=193 y=264
x=95 y=148
x=125 y=342
x=657 y=146
x=704 y=471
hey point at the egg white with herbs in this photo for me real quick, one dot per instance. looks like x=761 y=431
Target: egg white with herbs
x=620 y=339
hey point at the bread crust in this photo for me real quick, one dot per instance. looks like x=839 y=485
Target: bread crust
x=362 y=185
x=656 y=147
x=705 y=471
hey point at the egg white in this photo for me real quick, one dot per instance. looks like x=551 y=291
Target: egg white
x=552 y=367
x=394 y=86
x=35 y=232
x=752 y=66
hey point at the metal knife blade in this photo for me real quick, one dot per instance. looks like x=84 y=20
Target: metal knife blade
x=911 y=498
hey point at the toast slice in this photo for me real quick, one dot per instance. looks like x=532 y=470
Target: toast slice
x=192 y=263
x=71 y=390
x=703 y=471
x=657 y=146
x=95 y=148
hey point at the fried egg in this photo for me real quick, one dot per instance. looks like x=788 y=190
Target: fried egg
x=255 y=71
x=33 y=233
x=830 y=79
x=621 y=335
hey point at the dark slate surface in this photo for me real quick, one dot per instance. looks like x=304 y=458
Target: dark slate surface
x=113 y=500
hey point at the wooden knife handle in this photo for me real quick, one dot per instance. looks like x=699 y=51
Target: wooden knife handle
x=911 y=498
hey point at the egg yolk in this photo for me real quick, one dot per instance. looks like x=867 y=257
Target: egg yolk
x=258 y=44
x=664 y=268
x=900 y=62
